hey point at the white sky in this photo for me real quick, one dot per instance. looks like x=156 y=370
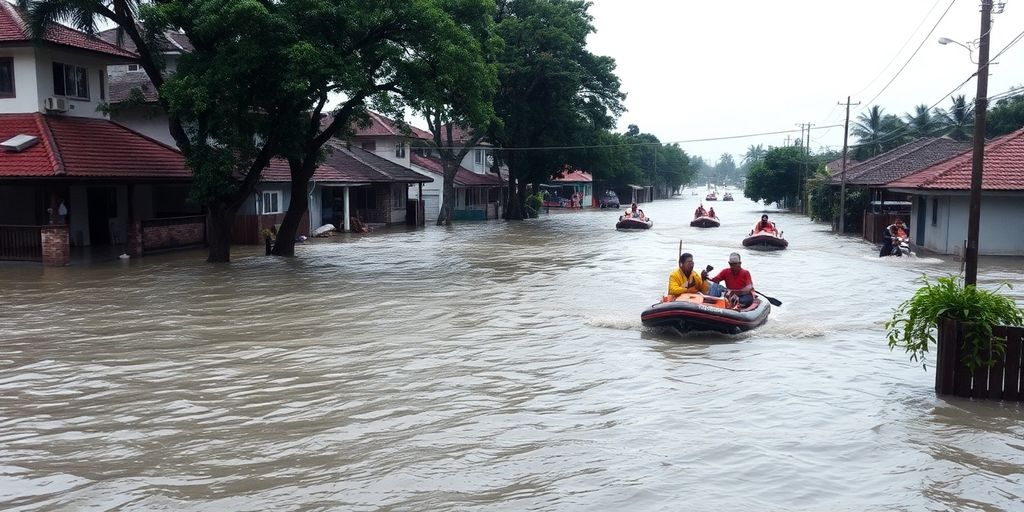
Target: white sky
x=698 y=69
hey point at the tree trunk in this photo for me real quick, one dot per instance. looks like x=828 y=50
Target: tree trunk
x=219 y=218
x=298 y=205
x=448 y=194
x=515 y=203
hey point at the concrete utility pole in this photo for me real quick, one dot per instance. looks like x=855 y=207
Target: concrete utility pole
x=842 y=175
x=804 y=127
x=978 y=157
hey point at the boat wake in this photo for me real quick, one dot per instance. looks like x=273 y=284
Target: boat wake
x=616 y=322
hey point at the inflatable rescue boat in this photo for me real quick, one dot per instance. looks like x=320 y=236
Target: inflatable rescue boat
x=631 y=223
x=705 y=222
x=765 y=240
x=695 y=312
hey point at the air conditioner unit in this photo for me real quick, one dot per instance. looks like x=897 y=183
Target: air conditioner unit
x=55 y=104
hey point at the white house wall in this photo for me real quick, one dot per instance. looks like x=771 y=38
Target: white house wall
x=44 y=59
x=1001 y=234
x=25 y=87
x=147 y=120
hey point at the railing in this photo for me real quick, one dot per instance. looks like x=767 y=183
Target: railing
x=23 y=243
x=1003 y=381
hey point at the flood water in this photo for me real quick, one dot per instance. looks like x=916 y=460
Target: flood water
x=491 y=366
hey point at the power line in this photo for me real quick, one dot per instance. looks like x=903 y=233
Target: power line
x=905 y=43
x=927 y=37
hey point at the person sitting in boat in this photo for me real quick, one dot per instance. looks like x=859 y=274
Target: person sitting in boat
x=739 y=286
x=764 y=225
x=700 y=212
x=684 y=280
x=711 y=213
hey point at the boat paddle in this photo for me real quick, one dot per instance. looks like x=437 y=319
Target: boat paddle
x=772 y=300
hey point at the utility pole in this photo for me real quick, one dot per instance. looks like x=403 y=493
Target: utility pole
x=978 y=156
x=804 y=128
x=788 y=138
x=842 y=178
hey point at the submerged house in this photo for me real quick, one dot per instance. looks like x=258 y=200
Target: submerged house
x=69 y=177
x=940 y=200
x=477 y=188
x=570 y=184
x=873 y=175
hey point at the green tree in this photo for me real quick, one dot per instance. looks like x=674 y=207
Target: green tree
x=776 y=178
x=753 y=154
x=554 y=92
x=921 y=123
x=1006 y=116
x=454 y=86
x=229 y=108
x=877 y=133
x=959 y=119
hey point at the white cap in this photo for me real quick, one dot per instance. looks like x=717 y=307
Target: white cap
x=734 y=257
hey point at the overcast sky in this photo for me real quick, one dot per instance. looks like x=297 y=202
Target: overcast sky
x=698 y=69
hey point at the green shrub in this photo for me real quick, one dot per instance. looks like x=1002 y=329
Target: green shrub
x=914 y=321
x=535 y=201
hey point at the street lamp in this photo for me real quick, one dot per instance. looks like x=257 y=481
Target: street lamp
x=946 y=40
x=978 y=153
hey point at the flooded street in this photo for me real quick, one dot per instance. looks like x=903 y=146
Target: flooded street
x=497 y=366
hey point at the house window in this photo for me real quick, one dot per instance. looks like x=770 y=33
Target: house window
x=271 y=203
x=478 y=156
x=400 y=150
x=472 y=196
x=370 y=145
x=6 y=77
x=134 y=68
x=935 y=212
x=103 y=83
x=70 y=81
x=399 y=195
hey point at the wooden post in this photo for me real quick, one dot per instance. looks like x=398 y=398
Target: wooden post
x=995 y=373
x=1013 y=385
x=946 y=362
x=962 y=374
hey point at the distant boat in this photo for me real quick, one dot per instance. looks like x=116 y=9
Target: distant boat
x=711 y=197
x=727 y=197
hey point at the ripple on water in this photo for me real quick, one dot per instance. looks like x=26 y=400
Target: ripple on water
x=489 y=366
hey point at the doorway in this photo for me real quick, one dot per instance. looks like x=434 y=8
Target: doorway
x=102 y=207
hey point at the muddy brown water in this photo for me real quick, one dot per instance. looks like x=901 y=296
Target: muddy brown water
x=491 y=366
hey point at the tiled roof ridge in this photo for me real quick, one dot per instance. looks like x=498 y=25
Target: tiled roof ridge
x=52 y=151
x=990 y=147
x=54 y=30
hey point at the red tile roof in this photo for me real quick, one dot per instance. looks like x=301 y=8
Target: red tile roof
x=14 y=29
x=575 y=176
x=463 y=177
x=348 y=165
x=1003 y=169
x=382 y=126
x=85 y=147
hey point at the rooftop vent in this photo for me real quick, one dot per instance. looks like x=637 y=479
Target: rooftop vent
x=19 y=142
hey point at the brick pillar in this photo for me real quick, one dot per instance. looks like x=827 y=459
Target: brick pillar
x=56 y=246
x=134 y=247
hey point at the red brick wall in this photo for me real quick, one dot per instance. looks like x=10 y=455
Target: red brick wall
x=56 y=245
x=174 y=235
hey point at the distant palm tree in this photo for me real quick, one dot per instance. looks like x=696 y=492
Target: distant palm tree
x=868 y=129
x=959 y=119
x=753 y=154
x=921 y=123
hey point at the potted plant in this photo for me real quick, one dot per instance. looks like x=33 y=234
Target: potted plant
x=914 y=322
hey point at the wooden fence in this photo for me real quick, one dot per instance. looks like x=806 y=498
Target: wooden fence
x=1004 y=381
x=21 y=243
